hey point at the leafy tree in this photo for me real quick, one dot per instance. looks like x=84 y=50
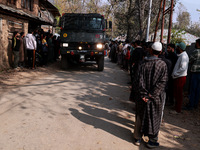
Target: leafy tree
x=184 y=22
x=176 y=36
x=194 y=29
x=70 y=6
x=93 y=6
x=124 y=17
x=183 y=18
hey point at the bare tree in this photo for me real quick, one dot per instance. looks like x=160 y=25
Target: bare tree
x=70 y=6
x=129 y=16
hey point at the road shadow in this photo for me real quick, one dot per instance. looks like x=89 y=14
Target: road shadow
x=101 y=97
x=99 y=123
x=111 y=116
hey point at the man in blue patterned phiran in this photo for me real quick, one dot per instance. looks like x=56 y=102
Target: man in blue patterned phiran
x=149 y=86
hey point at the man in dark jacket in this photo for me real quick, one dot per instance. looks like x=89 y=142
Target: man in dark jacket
x=15 y=48
x=171 y=55
x=137 y=56
x=150 y=82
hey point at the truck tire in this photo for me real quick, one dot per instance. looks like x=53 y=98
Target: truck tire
x=100 y=63
x=64 y=62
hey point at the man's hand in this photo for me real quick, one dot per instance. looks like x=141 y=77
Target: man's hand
x=145 y=99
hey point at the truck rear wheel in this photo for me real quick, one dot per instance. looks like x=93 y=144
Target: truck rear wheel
x=64 y=62
x=100 y=63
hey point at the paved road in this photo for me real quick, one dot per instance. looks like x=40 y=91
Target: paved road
x=80 y=109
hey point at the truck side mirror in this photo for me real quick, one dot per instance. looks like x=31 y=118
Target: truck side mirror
x=106 y=23
x=110 y=24
x=55 y=22
x=59 y=24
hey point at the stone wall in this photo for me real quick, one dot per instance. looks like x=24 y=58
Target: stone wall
x=3 y=44
x=9 y=25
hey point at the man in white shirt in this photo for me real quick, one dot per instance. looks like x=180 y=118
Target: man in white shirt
x=179 y=76
x=31 y=46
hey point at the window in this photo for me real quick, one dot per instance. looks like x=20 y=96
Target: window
x=84 y=23
x=27 y=4
x=15 y=26
x=11 y=2
x=23 y=3
x=30 y=5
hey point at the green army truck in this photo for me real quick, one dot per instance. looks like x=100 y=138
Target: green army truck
x=82 y=39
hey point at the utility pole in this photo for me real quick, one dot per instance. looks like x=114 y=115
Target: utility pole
x=158 y=20
x=112 y=21
x=149 y=21
x=163 y=22
x=170 y=22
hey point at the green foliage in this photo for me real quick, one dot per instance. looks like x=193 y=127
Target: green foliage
x=176 y=36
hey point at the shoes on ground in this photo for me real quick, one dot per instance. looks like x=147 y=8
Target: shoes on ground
x=137 y=142
x=173 y=112
x=152 y=144
x=16 y=69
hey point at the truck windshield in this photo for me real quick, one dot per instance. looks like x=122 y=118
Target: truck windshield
x=82 y=23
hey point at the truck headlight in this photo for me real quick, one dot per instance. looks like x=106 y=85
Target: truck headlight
x=99 y=46
x=80 y=48
x=65 y=44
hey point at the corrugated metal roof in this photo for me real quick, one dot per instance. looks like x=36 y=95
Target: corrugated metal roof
x=188 y=38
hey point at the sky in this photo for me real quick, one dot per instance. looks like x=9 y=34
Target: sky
x=191 y=6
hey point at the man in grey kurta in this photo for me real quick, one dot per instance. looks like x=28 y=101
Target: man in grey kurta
x=149 y=85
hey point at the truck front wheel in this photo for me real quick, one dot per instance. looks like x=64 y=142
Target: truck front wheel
x=64 y=62
x=100 y=63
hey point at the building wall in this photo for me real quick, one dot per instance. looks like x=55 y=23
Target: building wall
x=18 y=5
x=3 y=1
x=3 y=42
x=35 y=7
x=9 y=25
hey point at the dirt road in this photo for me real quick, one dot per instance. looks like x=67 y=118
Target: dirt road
x=80 y=109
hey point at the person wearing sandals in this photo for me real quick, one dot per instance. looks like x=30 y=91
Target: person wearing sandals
x=149 y=86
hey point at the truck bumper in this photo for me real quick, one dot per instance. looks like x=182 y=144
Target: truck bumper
x=82 y=52
x=83 y=55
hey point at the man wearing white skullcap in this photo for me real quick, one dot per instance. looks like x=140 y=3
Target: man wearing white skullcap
x=149 y=86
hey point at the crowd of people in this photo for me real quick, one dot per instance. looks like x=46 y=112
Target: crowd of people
x=37 y=48
x=158 y=75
